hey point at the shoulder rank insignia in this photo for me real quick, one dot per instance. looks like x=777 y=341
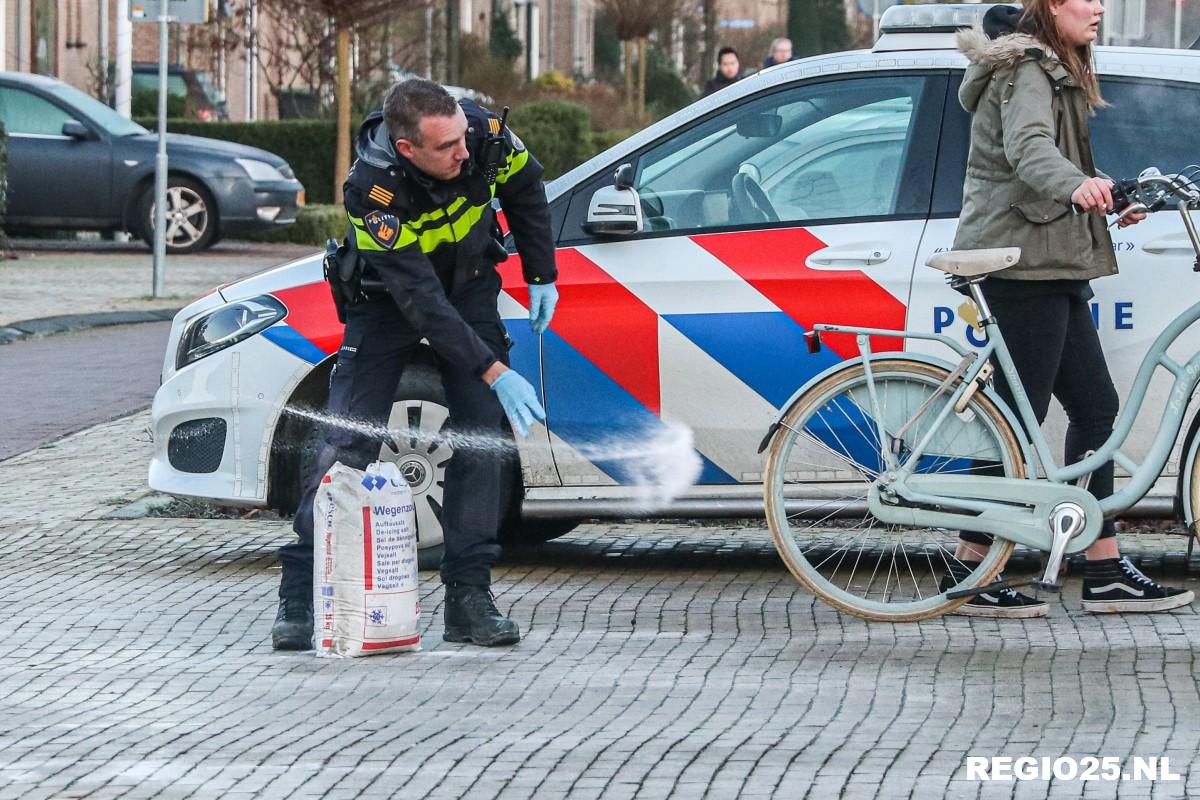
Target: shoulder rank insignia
x=493 y=125
x=383 y=228
x=381 y=195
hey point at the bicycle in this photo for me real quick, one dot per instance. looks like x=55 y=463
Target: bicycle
x=875 y=465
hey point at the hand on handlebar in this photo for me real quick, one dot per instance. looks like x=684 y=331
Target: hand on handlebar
x=1094 y=194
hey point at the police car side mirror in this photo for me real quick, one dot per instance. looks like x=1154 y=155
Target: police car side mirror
x=616 y=210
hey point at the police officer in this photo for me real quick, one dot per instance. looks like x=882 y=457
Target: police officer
x=419 y=200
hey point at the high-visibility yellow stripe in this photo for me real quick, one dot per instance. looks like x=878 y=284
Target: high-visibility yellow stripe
x=431 y=239
x=428 y=240
x=365 y=242
x=516 y=161
x=438 y=213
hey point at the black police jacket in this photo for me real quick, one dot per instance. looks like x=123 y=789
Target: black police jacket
x=426 y=239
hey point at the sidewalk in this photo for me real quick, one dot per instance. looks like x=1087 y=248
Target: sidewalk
x=658 y=660
x=102 y=278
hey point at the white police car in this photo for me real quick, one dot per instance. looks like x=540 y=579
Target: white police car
x=810 y=192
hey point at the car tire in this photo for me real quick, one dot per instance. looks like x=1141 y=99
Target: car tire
x=420 y=401
x=195 y=226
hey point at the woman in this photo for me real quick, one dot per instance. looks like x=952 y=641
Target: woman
x=1030 y=89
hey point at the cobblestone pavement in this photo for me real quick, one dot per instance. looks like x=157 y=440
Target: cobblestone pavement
x=48 y=280
x=658 y=660
x=62 y=384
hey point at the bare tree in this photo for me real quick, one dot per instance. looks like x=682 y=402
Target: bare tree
x=299 y=52
x=635 y=20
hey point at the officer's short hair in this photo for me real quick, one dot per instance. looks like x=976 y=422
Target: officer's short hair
x=407 y=101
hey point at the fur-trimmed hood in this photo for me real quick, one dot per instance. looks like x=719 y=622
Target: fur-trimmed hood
x=987 y=55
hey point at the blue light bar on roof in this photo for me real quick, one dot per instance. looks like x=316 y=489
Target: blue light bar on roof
x=933 y=18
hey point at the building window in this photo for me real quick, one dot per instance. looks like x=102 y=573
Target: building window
x=45 y=37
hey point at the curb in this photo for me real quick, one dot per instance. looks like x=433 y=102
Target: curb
x=47 y=326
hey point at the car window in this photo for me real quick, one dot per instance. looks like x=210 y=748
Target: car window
x=104 y=116
x=25 y=112
x=148 y=82
x=827 y=151
x=1147 y=124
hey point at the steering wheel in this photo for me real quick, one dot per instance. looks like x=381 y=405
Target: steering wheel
x=751 y=199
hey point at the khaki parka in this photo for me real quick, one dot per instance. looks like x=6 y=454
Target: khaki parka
x=1030 y=150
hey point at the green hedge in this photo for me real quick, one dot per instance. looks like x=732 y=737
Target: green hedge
x=314 y=224
x=308 y=145
x=556 y=132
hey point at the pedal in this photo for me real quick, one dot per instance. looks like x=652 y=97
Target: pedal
x=994 y=586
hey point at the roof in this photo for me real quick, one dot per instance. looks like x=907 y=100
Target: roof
x=1137 y=62
x=30 y=79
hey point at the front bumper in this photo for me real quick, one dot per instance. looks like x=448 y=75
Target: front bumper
x=213 y=421
x=248 y=206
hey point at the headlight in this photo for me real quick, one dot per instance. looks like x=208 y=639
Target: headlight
x=226 y=326
x=259 y=170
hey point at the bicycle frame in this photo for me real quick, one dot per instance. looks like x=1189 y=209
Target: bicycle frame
x=1142 y=476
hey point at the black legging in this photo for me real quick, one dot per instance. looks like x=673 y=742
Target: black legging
x=1052 y=337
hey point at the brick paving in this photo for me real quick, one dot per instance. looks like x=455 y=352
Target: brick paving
x=49 y=280
x=659 y=660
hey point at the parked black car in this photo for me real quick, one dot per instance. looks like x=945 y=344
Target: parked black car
x=190 y=93
x=76 y=164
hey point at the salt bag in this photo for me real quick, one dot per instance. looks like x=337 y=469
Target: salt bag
x=365 y=597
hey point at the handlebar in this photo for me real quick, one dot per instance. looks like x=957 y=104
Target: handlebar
x=1152 y=191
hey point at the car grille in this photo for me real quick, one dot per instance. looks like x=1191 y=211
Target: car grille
x=197 y=445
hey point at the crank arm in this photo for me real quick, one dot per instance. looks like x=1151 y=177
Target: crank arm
x=999 y=586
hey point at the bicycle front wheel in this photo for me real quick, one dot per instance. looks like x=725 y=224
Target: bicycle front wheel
x=826 y=454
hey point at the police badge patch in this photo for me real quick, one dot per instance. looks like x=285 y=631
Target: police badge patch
x=383 y=228
x=517 y=144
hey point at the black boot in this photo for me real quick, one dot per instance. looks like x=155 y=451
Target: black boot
x=471 y=616
x=293 y=628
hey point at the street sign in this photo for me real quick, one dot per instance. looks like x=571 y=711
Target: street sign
x=191 y=11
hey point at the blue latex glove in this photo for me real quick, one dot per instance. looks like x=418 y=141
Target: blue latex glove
x=519 y=400
x=542 y=300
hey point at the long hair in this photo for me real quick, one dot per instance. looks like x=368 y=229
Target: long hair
x=1079 y=61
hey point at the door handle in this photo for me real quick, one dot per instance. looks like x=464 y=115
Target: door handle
x=860 y=255
x=1169 y=244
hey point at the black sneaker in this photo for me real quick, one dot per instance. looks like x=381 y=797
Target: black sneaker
x=1002 y=604
x=293 y=628
x=471 y=616
x=1114 y=585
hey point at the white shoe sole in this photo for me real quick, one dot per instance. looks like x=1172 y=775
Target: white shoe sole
x=1018 y=612
x=1123 y=606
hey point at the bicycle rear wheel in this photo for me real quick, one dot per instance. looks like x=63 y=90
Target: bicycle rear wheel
x=826 y=454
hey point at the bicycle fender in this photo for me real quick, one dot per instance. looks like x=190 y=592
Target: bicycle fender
x=933 y=361
x=1191 y=452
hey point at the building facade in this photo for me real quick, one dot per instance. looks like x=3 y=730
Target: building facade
x=76 y=41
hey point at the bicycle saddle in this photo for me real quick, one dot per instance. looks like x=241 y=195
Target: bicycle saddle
x=973 y=263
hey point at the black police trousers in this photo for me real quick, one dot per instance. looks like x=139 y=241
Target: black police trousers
x=1055 y=347
x=377 y=345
